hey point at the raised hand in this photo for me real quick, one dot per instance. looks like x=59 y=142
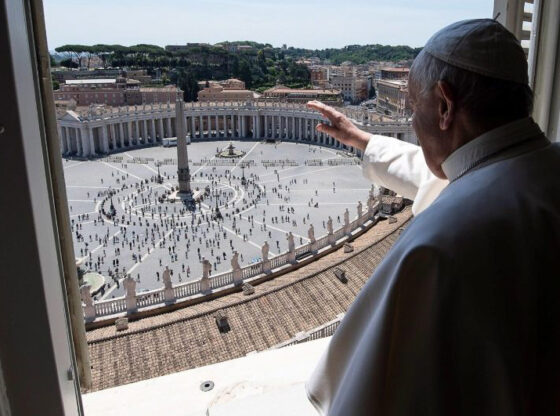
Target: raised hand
x=341 y=128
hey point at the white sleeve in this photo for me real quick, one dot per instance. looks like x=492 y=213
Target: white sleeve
x=401 y=167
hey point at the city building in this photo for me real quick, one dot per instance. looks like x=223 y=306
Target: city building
x=63 y=75
x=354 y=89
x=394 y=73
x=228 y=90
x=95 y=91
x=282 y=93
x=392 y=97
x=320 y=75
x=113 y=92
x=228 y=84
x=153 y=95
x=219 y=93
x=139 y=75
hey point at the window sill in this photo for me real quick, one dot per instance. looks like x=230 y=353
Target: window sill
x=267 y=383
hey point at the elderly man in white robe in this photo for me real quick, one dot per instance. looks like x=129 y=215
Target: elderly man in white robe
x=462 y=316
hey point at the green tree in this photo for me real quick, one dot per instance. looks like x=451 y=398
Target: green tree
x=245 y=74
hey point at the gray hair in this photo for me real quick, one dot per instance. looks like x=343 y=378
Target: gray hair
x=484 y=98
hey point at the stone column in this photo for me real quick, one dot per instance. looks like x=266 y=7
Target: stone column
x=84 y=141
x=217 y=123
x=79 y=143
x=138 y=132
x=313 y=132
x=88 y=134
x=160 y=123
x=145 y=132
x=104 y=139
x=153 y=126
x=293 y=135
x=61 y=140
x=67 y=138
x=209 y=121
x=113 y=136
x=121 y=134
x=168 y=123
x=269 y=123
x=238 y=126
x=200 y=127
x=129 y=132
x=299 y=128
x=225 y=126
x=193 y=128
x=258 y=126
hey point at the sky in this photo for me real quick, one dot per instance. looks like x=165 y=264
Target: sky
x=312 y=24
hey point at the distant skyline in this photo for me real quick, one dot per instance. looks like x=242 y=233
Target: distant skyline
x=311 y=24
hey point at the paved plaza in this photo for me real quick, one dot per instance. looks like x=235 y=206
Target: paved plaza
x=273 y=189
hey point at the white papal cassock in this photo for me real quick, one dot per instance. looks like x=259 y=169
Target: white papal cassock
x=462 y=316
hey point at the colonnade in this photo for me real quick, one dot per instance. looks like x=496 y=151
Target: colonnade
x=89 y=139
x=92 y=134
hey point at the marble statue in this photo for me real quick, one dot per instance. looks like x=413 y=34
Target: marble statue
x=264 y=251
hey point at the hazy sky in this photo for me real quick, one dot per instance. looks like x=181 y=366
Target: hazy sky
x=314 y=24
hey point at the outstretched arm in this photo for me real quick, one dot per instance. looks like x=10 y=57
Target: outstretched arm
x=389 y=162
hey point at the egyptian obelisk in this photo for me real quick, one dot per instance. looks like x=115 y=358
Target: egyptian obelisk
x=182 y=155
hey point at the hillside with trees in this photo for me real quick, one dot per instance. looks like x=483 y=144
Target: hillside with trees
x=259 y=65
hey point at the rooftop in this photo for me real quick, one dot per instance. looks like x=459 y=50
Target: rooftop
x=91 y=81
x=394 y=82
x=280 y=308
x=283 y=89
x=393 y=69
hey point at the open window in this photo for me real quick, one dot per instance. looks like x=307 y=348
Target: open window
x=43 y=352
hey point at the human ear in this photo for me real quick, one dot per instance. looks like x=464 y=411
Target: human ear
x=446 y=104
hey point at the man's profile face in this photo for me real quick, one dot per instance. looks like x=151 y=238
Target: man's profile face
x=425 y=122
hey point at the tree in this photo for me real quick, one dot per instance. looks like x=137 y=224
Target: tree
x=68 y=63
x=245 y=73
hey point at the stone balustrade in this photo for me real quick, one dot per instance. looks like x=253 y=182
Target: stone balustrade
x=326 y=330
x=134 y=302
x=94 y=132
